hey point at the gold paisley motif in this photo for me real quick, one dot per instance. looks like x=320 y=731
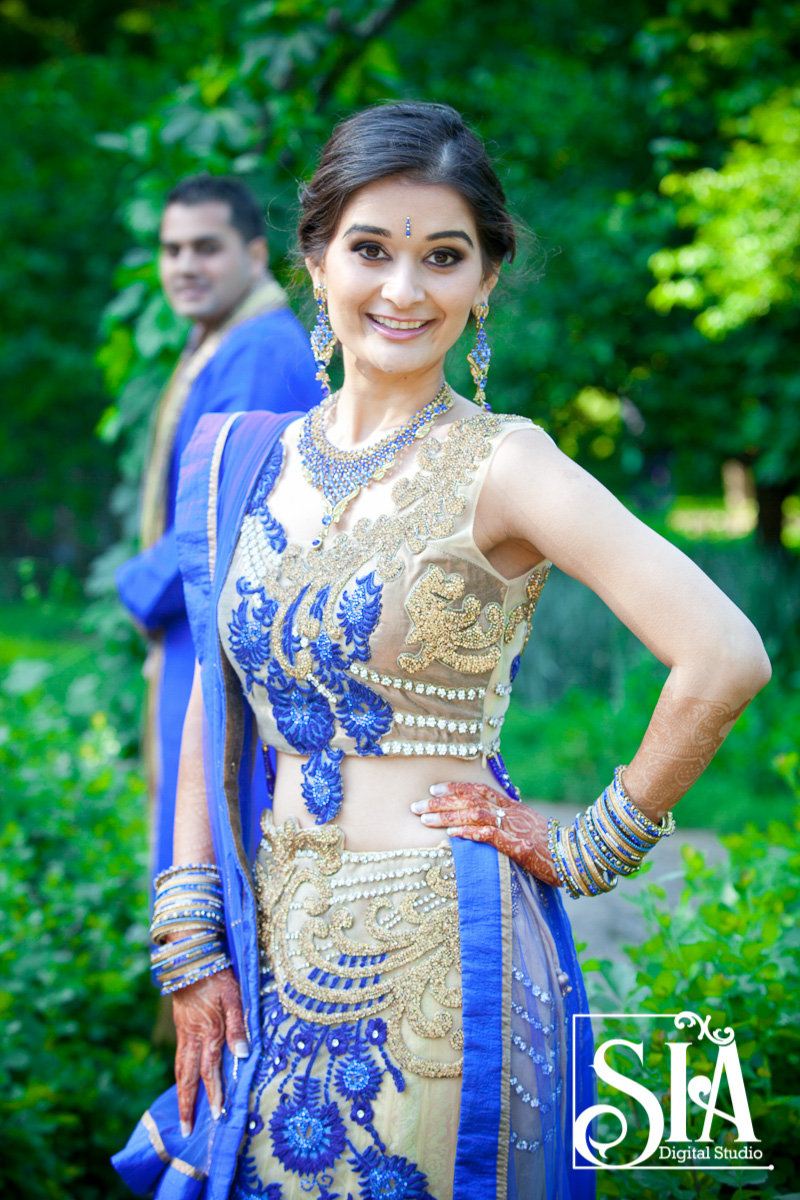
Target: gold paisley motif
x=445 y=631
x=397 y=969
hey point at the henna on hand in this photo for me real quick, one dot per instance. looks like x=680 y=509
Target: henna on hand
x=469 y=810
x=207 y=1014
x=683 y=736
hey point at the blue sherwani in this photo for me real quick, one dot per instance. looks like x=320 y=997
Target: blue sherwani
x=263 y=363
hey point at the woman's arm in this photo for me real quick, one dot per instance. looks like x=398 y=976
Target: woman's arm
x=537 y=504
x=207 y=1013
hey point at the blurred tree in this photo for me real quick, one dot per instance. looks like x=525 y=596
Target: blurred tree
x=59 y=193
x=726 y=107
x=742 y=267
x=588 y=110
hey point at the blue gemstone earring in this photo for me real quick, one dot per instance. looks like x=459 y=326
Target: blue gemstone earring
x=478 y=357
x=323 y=340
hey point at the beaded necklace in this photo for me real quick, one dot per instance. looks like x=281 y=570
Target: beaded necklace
x=341 y=474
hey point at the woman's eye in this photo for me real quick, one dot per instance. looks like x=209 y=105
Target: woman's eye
x=444 y=258
x=371 y=250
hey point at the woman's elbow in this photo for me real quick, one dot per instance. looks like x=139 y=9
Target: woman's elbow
x=747 y=659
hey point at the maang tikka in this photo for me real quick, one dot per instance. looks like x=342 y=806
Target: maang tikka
x=323 y=340
x=479 y=356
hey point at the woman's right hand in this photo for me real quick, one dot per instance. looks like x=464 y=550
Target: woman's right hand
x=207 y=1014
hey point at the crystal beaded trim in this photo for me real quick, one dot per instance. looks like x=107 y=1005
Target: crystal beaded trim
x=440 y=749
x=421 y=689
x=256 y=551
x=421 y=721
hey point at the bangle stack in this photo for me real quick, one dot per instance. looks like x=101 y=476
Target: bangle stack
x=608 y=840
x=189 y=903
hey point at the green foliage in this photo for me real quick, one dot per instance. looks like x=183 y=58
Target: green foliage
x=731 y=949
x=77 y=1067
x=587 y=688
x=728 y=111
x=744 y=255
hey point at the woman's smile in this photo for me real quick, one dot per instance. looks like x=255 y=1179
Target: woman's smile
x=398 y=329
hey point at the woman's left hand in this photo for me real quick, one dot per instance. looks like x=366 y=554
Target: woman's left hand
x=482 y=814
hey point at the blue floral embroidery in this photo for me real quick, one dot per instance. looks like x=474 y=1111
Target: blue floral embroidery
x=358 y=613
x=307 y=1130
x=302 y=715
x=306 y=1137
x=258 y=504
x=365 y=717
x=331 y=663
x=322 y=785
x=304 y=710
x=389 y=1178
x=249 y=641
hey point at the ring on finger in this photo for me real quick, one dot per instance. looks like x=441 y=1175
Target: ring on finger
x=498 y=816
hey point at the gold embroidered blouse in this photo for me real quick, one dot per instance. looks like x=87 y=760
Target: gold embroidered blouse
x=396 y=638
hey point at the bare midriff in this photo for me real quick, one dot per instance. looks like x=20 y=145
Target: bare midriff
x=378 y=794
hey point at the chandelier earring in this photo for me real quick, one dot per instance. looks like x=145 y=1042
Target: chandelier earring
x=323 y=339
x=478 y=358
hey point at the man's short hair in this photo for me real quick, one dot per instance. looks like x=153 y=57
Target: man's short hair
x=246 y=214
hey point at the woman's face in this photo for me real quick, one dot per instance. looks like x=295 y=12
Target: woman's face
x=403 y=270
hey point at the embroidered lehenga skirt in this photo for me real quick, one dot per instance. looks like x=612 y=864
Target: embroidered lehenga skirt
x=357 y=1092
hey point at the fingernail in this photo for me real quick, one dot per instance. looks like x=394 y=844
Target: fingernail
x=428 y=818
x=215 y=1111
x=186 y=1129
x=419 y=806
x=439 y=789
x=241 y=1050
x=454 y=832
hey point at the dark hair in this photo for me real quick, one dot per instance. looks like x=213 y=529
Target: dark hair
x=246 y=214
x=427 y=143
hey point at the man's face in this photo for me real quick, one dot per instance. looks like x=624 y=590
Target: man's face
x=205 y=266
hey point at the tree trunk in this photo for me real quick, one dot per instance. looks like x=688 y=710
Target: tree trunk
x=770 y=498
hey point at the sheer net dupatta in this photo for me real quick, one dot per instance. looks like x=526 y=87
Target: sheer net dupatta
x=218 y=473
x=551 y=1052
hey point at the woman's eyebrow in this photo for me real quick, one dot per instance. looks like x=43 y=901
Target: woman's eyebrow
x=450 y=233
x=367 y=229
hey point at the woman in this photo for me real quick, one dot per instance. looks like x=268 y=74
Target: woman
x=398 y=1013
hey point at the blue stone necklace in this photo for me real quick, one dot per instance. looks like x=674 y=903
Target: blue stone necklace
x=341 y=474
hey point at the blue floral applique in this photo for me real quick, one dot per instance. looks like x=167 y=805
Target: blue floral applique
x=358 y=614
x=301 y=713
x=306 y=710
x=386 y=1177
x=250 y=636
x=322 y=784
x=365 y=717
x=308 y=1130
x=258 y=505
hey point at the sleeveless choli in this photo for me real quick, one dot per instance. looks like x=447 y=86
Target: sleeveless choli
x=396 y=638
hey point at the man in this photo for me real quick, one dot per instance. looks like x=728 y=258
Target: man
x=246 y=350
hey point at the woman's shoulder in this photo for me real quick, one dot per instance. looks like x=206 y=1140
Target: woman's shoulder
x=492 y=430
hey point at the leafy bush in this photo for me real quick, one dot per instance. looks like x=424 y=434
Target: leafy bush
x=77 y=1067
x=731 y=949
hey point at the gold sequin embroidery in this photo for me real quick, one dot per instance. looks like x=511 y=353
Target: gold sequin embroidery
x=426 y=504
x=445 y=631
x=524 y=612
x=399 y=970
